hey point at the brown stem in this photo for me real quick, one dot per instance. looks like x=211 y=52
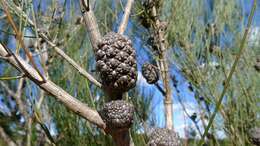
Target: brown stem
x=69 y=101
x=29 y=131
x=124 y=21
x=91 y=24
x=121 y=137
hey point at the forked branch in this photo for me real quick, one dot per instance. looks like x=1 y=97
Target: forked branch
x=69 y=101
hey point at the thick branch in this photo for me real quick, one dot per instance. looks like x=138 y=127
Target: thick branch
x=124 y=21
x=91 y=23
x=122 y=137
x=69 y=101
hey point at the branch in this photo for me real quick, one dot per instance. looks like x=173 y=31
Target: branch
x=186 y=112
x=69 y=101
x=91 y=23
x=160 y=89
x=164 y=68
x=6 y=138
x=124 y=22
x=83 y=72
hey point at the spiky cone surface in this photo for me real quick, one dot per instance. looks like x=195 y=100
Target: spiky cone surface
x=116 y=62
x=254 y=135
x=164 y=137
x=150 y=73
x=117 y=114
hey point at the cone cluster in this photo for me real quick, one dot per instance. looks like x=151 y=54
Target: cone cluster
x=116 y=63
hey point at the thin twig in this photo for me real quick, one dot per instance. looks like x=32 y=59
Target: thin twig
x=83 y=72
x=20 y=39
x=21 y=106
x=124 y=21
x=187 y=114
x=9 y=33
x=12 y=78
x=72 y=62
x=160 y=89
x=233 y=68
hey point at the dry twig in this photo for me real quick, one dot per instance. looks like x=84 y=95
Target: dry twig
x=83 y=72
x=124 y=21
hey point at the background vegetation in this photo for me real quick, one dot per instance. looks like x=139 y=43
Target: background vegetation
x=203 y=39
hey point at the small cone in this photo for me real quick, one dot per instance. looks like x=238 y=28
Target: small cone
x=150 y=73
